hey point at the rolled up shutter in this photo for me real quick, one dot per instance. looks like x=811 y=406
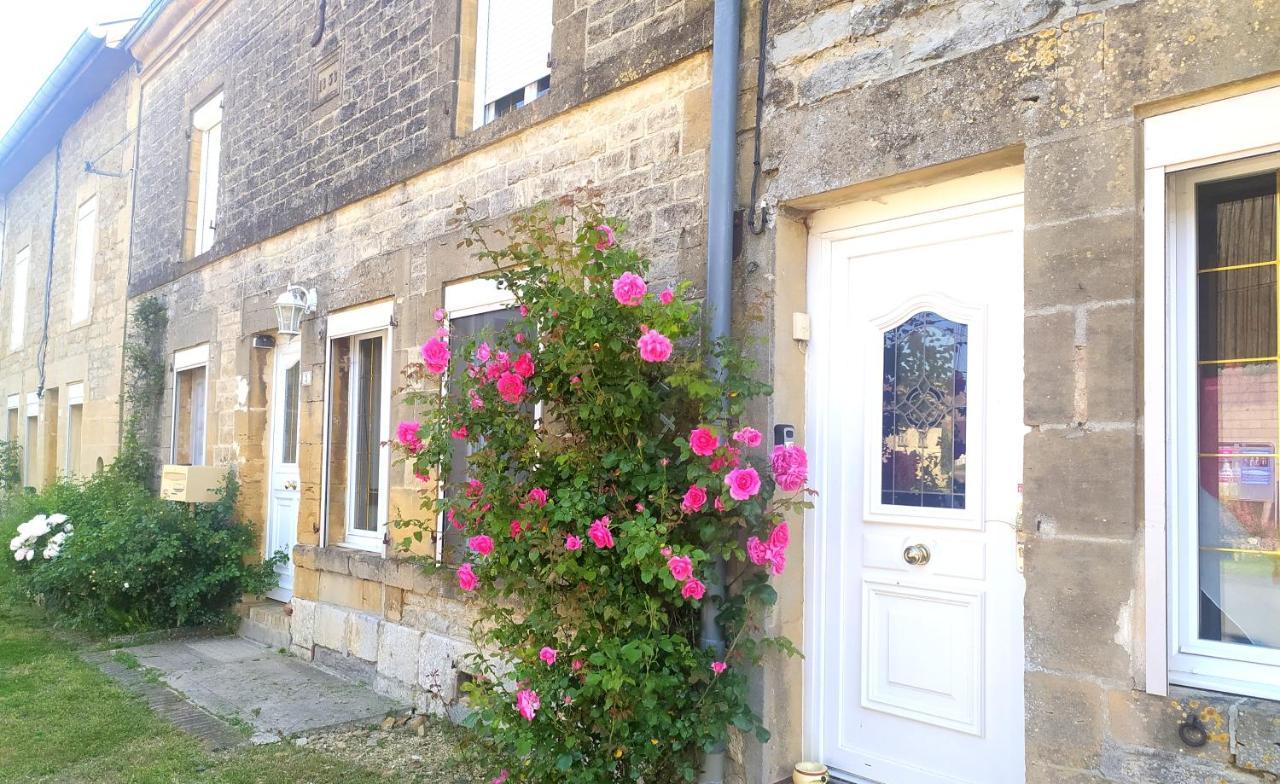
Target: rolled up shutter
x=517 y=45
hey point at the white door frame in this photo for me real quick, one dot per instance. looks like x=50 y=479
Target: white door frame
x=917 y=206
x=288 y=350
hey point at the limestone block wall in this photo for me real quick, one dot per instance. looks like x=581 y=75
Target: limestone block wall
x=869 y=96
x=89 y=351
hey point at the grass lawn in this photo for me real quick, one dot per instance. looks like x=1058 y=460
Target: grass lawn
x=61 y=720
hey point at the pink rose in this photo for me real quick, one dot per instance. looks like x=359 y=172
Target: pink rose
x=767 y=553
x=781 y=536
x=667 y=296
x=576 y=665
x=516 y=529
x=523 y=365
x=694 y=499
x=600 y=534
x=476 y=402
x=524 y=310
x=703 y=442
x=666 y=552
x=501 y=778
x=576 y=380
x=481 y=545
x=790 y=467
x=743 y=483
x=527 y=703
x=538 y=496
x=421 y=476
x=452 y=517
x=435 y=353
x=629 y=289
x=572 y=543
x=459 y=432
x=407 y=435
x=442 y=332
x=694 y=589
x=654 y=346
x=681 y=567
x=548 y=655
x=519 y=337
x=719 y=504
x=511 y=388
x=483 y=352
x=439 y=314
x=719 y=667
x=607 y=239
x=467 y=579
x=748 y=437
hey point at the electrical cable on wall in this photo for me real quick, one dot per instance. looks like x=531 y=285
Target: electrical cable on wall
x=48 y=278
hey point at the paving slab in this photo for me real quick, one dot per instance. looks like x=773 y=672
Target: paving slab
x=275 y=694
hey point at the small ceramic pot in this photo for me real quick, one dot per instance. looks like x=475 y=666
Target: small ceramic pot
x=810 y=773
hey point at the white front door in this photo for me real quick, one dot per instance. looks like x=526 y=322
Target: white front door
x=914 y=596
x=283 y=497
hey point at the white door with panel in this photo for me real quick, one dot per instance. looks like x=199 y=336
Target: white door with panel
x=914 y=594
x=285 y=493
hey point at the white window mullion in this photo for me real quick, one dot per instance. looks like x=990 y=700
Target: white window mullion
x=82 y=265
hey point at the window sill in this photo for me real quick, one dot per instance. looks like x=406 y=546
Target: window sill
x=372 y=546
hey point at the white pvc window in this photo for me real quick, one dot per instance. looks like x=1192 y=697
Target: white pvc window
x=31 y=444
x=18 y=303
x=1212 y=397
x=513 y=55
x=82 y=264
x=75 y=427
x=358 y=424
x=190 y=405
x=207 y=125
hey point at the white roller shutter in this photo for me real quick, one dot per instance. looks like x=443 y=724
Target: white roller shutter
x=515 y=45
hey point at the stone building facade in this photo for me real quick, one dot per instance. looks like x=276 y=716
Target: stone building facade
x=69 y=185
x=1017 y=178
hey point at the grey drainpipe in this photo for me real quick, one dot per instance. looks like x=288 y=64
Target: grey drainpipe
x=720 y=203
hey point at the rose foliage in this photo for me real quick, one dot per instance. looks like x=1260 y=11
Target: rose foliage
x=592 y=519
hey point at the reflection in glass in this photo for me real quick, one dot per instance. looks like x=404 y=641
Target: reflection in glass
x=923 y=413
x=1239 y=551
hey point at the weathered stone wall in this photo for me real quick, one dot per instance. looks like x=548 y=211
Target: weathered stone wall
x=642 y=147
x=90 y=351
x=287 y=160
x=869 y=92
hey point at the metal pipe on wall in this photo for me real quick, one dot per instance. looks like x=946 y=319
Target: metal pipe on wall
x=721 y=198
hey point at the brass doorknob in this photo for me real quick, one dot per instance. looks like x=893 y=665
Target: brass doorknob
x=916 y=555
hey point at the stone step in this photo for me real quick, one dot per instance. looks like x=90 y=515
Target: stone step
x=265 y=623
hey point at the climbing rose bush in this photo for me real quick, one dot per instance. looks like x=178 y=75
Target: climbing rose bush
x=608 y=468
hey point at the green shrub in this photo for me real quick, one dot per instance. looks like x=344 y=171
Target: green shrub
x=10 y=467
x=136 y=562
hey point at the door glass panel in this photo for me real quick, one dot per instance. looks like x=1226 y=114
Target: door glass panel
x=1239 y=411
x=289 y=415
x=922 y=452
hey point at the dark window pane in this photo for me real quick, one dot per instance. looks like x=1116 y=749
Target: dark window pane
x=1238 y=313
x=367 y=481
x=1236 y=221
x=923 y=413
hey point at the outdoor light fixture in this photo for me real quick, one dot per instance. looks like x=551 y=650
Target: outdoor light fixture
x=292 y=305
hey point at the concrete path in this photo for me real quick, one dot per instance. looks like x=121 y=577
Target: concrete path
x=275 y=694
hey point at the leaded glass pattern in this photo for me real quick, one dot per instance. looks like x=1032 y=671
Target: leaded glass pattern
x=923 y=433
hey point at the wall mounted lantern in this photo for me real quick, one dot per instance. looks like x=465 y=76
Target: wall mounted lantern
x=291 y=306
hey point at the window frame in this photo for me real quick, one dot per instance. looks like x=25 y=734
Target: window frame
x=82 y=264
x=1237 y=131
x=21 y=286
x=184 y=360
x=363 y=321
x=470 y=297
x=206 y=120
x=480 y=111
x=30 y=441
